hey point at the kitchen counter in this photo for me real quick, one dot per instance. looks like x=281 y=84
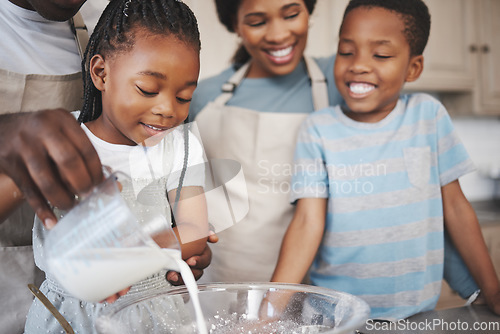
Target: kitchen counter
x=467 y=319
x=487 y=211
x=488 y=214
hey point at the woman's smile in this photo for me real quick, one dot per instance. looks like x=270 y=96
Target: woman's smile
x=282 y=55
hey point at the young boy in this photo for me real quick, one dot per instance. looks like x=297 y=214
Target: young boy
x=383 y=169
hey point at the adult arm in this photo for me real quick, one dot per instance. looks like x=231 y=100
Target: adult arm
x=49 y=157
x=301 y=240
x=463 y=227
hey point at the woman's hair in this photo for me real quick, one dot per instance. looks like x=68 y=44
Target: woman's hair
x=415 y=14
x=227 y=11
x=115 y=32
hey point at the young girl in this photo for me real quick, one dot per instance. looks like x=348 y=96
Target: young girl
x=140 y=70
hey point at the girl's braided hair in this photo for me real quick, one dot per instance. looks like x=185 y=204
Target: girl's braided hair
x=115 y=30
x=114 y=33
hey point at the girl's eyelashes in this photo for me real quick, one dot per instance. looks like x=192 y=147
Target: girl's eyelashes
x=344 y=54
x=183 y=101
x=148 y=93
x=145 y=92
x=345 y=49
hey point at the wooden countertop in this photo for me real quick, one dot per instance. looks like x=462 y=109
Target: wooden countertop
x=487 y=211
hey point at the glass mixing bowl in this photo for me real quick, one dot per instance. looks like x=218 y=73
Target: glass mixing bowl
x=234 y=308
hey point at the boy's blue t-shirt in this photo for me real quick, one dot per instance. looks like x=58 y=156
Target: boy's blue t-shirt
x=383 y=238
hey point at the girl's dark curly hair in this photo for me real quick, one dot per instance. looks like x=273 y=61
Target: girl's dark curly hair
x=114 y=33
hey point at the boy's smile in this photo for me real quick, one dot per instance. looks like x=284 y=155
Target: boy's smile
x=373 y=62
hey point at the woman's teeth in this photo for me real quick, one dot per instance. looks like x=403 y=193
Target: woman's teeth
x=361 y=88
x=282 y=52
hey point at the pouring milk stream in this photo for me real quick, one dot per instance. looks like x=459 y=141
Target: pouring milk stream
x=100 y=248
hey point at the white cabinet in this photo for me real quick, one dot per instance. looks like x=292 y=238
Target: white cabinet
x=462 y=58
x=217 y=44
x=488 y=97
x=324 y=24
x=448 y=63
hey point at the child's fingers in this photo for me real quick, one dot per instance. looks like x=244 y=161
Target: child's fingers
x=197 y=273
x=114 y=298
x=174 y=278
x=212 y=237
x=111 y=299
x=203 y=260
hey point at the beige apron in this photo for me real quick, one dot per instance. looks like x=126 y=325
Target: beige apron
x=263 y=142
x=19 y=92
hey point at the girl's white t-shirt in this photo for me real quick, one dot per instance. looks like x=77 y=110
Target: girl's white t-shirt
x=152 y=170
x=164 y=160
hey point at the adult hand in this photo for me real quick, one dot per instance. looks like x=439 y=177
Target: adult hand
x=49 y=157
x=197 y=263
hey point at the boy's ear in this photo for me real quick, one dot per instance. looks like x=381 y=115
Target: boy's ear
x=97 y=72
x=415 y=68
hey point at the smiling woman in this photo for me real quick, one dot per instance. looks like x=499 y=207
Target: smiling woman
x=274 y=36
x=266 y=94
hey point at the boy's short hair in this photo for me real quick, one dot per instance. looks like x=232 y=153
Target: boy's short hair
x=416 y=17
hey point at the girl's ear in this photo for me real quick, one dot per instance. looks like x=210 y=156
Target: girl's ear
x=97 y=72
x=415 y=68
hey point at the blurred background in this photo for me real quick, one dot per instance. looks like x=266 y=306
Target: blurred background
x=462 y=69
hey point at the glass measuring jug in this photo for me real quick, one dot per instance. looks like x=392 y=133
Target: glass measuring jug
x=99 y=247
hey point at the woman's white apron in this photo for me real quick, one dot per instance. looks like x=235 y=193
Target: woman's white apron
x=263 y=142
